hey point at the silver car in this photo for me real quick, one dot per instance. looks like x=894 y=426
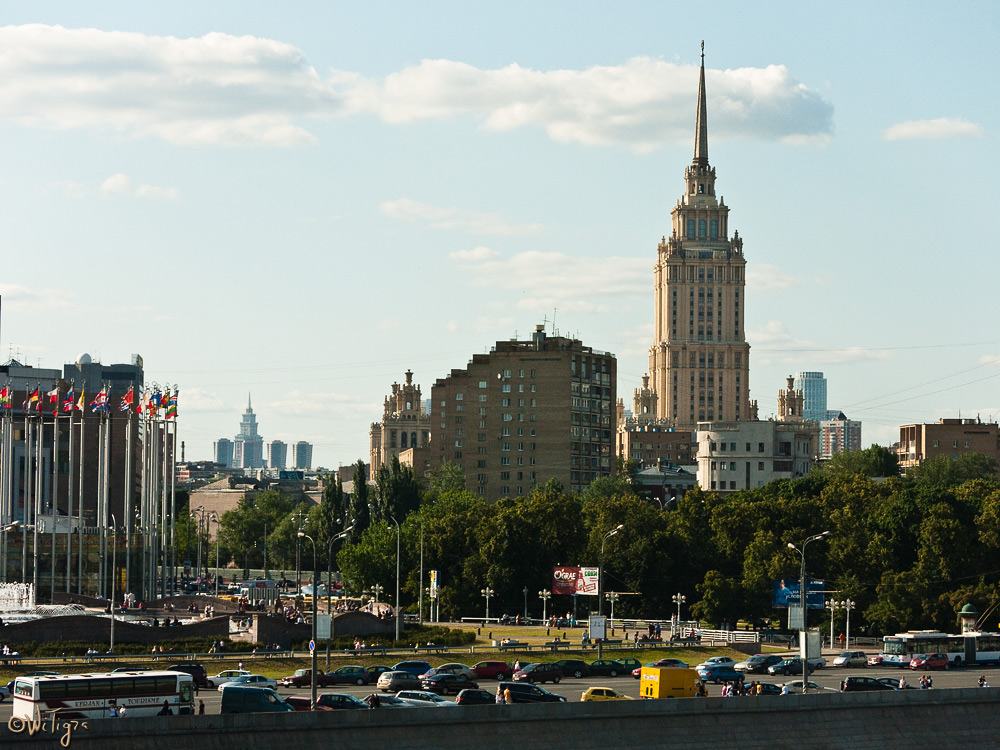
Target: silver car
x=424 y=699
x=393 y=682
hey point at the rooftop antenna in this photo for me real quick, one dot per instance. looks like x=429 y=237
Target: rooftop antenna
x=555 y=331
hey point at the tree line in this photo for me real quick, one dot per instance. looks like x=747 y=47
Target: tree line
x=909 y=551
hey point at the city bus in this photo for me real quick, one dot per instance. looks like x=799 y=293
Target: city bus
x=968 y=648
x=90 y=696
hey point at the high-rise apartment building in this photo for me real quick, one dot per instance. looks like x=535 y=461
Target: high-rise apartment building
x=527 y=412
x=302 y=455
x=248 y=447
x=946 y=437
x=813 y=387
x=222 y=452
x=838 y=435
x=277 y=454
x=700 y=360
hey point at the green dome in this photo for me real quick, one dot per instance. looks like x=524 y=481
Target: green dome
x=969 y=609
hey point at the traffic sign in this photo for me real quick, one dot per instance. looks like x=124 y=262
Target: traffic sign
x=312 y=646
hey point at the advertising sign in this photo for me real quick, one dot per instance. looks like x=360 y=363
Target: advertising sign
x=598 y=627
x=570 y=580
x=434 y=584
x=786 y=593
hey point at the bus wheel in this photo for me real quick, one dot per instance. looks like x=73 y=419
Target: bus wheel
x=958 y=661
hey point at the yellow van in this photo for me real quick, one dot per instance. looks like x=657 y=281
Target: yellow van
x=670 y=682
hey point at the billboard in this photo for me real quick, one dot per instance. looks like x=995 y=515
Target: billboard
x=571 y=580
x=786 y=593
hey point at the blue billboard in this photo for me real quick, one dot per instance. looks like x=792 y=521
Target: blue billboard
x=786 y=593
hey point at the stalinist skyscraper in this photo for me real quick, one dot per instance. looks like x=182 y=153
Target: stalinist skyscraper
x=700 y=360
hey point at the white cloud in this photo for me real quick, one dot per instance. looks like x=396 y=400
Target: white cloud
x=196 y=399
x=762 y=277
x=943 y=127
x=470 y=222
x=222 y=89
x=773 y=341
x=475 y=255
x=120 y=183
x=19 y=297
x=557 y=277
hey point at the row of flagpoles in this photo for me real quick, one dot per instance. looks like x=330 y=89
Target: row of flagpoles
x=150 y=425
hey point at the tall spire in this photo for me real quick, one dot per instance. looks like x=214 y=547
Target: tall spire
x=249 y=406
x=701 y=122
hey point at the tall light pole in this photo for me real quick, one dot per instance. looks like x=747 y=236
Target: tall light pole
x=371 y=509
x=525 y=592
x=832 y=605
x=329 y=585
x=600 y=570
x=487 y=592
x=315 y=597
x=679 y=599
x=612 y=596
x=201 y=519
x=803 y=601
x=545 y=595
x=215 y=518
x=114 y=563
x=848 y=605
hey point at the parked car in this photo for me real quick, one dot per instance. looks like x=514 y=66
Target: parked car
x=304 y=703
x=757 y=664
x=719 y=673
x=814 y=687
x=930 y=661
x=391 y=701
x=789 y=667
x=539 y=672
x=523 y=692
x=446 y=683
x=492 y=670
x=472 y=697
x=423 y=699
x=629 y=663
x=250 y=680
x=340 y=702
x=817 y=662
x=608 y=668
x=394 y=681
x=768 y=688
x=377 y=671
x=197 y=672
x=717 y=660
x=851 y=659
x=416 y=668
x=573 y=667
x=303 y=678
x=239 y=699
x=227 y=675
x=855 y=684
x=454 y=668
x=4 y=694
x=348 y=675
x=875 y=660
x=667 y=663
x=894 y=683
x=603 y=694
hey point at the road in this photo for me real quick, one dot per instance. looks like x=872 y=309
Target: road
x=573 y=688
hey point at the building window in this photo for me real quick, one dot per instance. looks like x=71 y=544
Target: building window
x=482 y=383
x=702 y=228
x=506 y=388
x=690 y=231
x=713 y=228
x=458 y=396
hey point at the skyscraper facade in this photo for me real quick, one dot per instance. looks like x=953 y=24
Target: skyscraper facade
x=700 y=360
x=302 y=455
x=223 y=452
x=813 y=387
x=277 y=454
x=248 y=447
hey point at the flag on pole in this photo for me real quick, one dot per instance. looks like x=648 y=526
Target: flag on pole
x=5 y=397
x=172 y=406
x=83 y=399
x=100 y=402
x=68 y=401
x=31 y=401
x=53 y=395
x=127 y=400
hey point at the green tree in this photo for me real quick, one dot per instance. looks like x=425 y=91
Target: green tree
x=359 y=511
x=448 y=477
x=944 y=471
x=875 y=461
x=397 y=493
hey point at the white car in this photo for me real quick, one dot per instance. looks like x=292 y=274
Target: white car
x=250 y=680
x=851 y=659
x=717 y=661
x=227 y=676
x=424 y=699
x=818 y=663
x=814 y=687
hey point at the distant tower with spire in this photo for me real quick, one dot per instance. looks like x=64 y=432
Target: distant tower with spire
x=700 y=361
x=248 y=447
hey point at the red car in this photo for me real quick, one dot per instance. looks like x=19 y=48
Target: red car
x=303 y=703
x=930 y=661
x=493 y=670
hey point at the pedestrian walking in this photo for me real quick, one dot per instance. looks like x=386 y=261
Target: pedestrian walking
x=500 y=698
x=506 y=695
x=201 y=708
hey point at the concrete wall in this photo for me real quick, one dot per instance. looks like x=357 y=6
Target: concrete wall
x=97 y=630
x=904 y=720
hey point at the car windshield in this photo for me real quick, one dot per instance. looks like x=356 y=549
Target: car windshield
x=920 y=656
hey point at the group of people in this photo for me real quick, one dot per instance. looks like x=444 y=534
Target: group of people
x=503 y=695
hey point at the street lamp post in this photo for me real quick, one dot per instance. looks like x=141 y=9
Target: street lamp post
x=525 y=592
x=215 y=518
x=600 y=570
x=679 y=599
x=848 y=605
x=487 y=592
x=201 y=518
x=612 y=596
x=803 y=601
x=399 y=610
x=114 y=563
x=545 y=595
x=832 y=606
x=329 y=585
x=315 y=598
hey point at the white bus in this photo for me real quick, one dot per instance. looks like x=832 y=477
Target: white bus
x=968 y=648
x=90 y=696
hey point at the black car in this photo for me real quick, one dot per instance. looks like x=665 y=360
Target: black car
x=758 y=663
x=525 y=692
x=789 y=667
x=573 y=667
x=864 y=684
x=471 y=697
x=540 y=672
x=608 y=668
x=197 y=671
x=446 y=682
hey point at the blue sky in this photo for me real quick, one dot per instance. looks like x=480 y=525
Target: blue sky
x=303 y=201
